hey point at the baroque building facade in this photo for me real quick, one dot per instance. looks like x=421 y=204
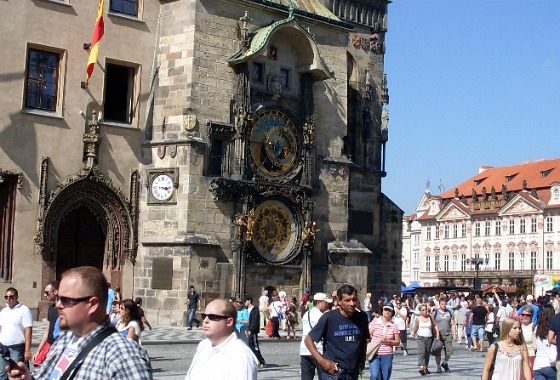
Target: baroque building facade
x=230 y=145
x=507 y=219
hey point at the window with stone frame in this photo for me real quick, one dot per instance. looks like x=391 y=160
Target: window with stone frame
x=533 y=225
x=549 y=224
x=429 y=233
x=446 y=231
x=42 y=80
x=436 y=263
x=119 y=95
x=216 y=153
x=446 y=263
x=285 y=78
x=127 y=7
x=549 y=259
x=455 y=228
x=522 y=260
x=522 y=226
x=512 y=261
x=437 y=232
x=477 y=229
x=257 y=72
x=512 y=227
x=497 y=262
x=498 y=228
x=487 y=228
x=463 y=262
x=533 y=260
x=454 y=263
x=8 y=191
x=464 y=230
x=428 y=264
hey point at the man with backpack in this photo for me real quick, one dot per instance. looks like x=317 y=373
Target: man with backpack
x=447 y=332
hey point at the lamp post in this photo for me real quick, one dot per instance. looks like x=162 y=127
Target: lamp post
x=477 y=262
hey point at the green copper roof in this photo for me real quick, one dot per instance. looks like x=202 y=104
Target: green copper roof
x=259 y=41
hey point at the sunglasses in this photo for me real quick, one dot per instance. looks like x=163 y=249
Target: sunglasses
x=47 y=292
x=70 y=302
x=526 y=315
x=9 y=297
x=214 y=317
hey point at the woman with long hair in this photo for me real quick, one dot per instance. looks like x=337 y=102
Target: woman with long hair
x=291 y=318
x=424 y=327
x=131 y=324
x=384 y=331
x=542 y=368
x=490 y=325
x=508 y=359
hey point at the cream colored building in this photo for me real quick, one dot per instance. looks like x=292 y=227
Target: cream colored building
x=508 y=218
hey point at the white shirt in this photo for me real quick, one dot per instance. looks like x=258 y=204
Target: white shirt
x=230 y=360
x=308 y=321
x=275 y=308
x=400 y=318
x=13 y=322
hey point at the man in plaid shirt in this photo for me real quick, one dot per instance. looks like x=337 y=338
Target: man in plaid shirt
x=82 y=298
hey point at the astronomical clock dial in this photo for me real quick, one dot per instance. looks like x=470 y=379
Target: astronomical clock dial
x=274 y=144
x=162 y=187
x=274 y=231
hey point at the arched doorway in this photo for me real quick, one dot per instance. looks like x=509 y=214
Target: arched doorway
x=81 y=241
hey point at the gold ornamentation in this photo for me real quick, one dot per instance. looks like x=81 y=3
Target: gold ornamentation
x=189 y=122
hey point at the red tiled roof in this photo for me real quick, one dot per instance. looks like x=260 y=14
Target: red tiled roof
x=537 y=174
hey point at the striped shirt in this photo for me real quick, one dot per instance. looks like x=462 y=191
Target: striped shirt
x=377 y=330
x=116 y=357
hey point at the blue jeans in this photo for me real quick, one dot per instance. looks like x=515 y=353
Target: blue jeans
x=477 y=331
x=381 y=367
x=16 y=354
x=192 y=313
x=546 y=373
x=341 y=375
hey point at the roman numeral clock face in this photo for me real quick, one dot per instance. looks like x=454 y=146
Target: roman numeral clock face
x=274 y=144
x=162 y=187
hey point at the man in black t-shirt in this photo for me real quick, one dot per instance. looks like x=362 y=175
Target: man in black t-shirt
x=193 y=302
x=51 y=293
x=344 y=333
x=478 y=322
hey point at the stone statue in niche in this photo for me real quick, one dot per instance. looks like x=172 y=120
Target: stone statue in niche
x=309 y=234
x=241 y=225
x=368 y=123
x=272 y=53
x=385 y=119
x=250 y=224
x=308 y=131
x=275 y=84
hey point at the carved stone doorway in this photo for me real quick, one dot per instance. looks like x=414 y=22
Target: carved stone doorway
x=81 y=241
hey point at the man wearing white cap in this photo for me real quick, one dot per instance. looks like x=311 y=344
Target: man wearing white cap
x=530 y=301
x=308 y=320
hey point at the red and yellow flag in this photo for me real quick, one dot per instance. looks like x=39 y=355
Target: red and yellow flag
x=94 y=47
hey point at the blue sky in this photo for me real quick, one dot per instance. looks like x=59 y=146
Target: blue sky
x=471 y=83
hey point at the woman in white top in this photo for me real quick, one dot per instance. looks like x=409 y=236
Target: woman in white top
x=276 y=309
x=366 y=305
x=543 y=369
x=511 y=359
x=489 y=327
x=527 y=329
x=424 y=327
x=131 y=324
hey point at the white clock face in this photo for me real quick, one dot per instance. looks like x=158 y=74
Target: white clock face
x=162 y=187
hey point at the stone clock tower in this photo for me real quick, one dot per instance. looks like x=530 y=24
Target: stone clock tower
x=263 y=160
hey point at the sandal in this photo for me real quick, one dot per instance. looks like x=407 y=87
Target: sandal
x=422 y=372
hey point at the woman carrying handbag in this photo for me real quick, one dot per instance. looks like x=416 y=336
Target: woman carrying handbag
x=425 y=328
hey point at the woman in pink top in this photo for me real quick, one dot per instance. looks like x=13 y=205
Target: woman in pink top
x=384 y=330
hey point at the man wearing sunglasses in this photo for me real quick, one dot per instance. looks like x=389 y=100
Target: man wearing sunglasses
x=222 y=354
x=51 y=294
x=81 y=304
x=16 y=324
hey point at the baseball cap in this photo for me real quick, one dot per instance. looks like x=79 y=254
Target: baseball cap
x=321 y=297
x=389 y=307
x=530 y=297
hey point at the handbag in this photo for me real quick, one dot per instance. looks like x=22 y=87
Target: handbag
x=437 y=346
x=268 y=330
x=372 y=348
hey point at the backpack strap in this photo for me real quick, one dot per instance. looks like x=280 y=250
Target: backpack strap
x=75 y=365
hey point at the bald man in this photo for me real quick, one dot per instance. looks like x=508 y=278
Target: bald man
x=222 y=355
x=81 y=304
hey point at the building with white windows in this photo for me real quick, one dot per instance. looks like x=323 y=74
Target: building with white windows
x=501 y=226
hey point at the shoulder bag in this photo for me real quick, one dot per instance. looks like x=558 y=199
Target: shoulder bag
x=75 y=365
x=372 y=348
